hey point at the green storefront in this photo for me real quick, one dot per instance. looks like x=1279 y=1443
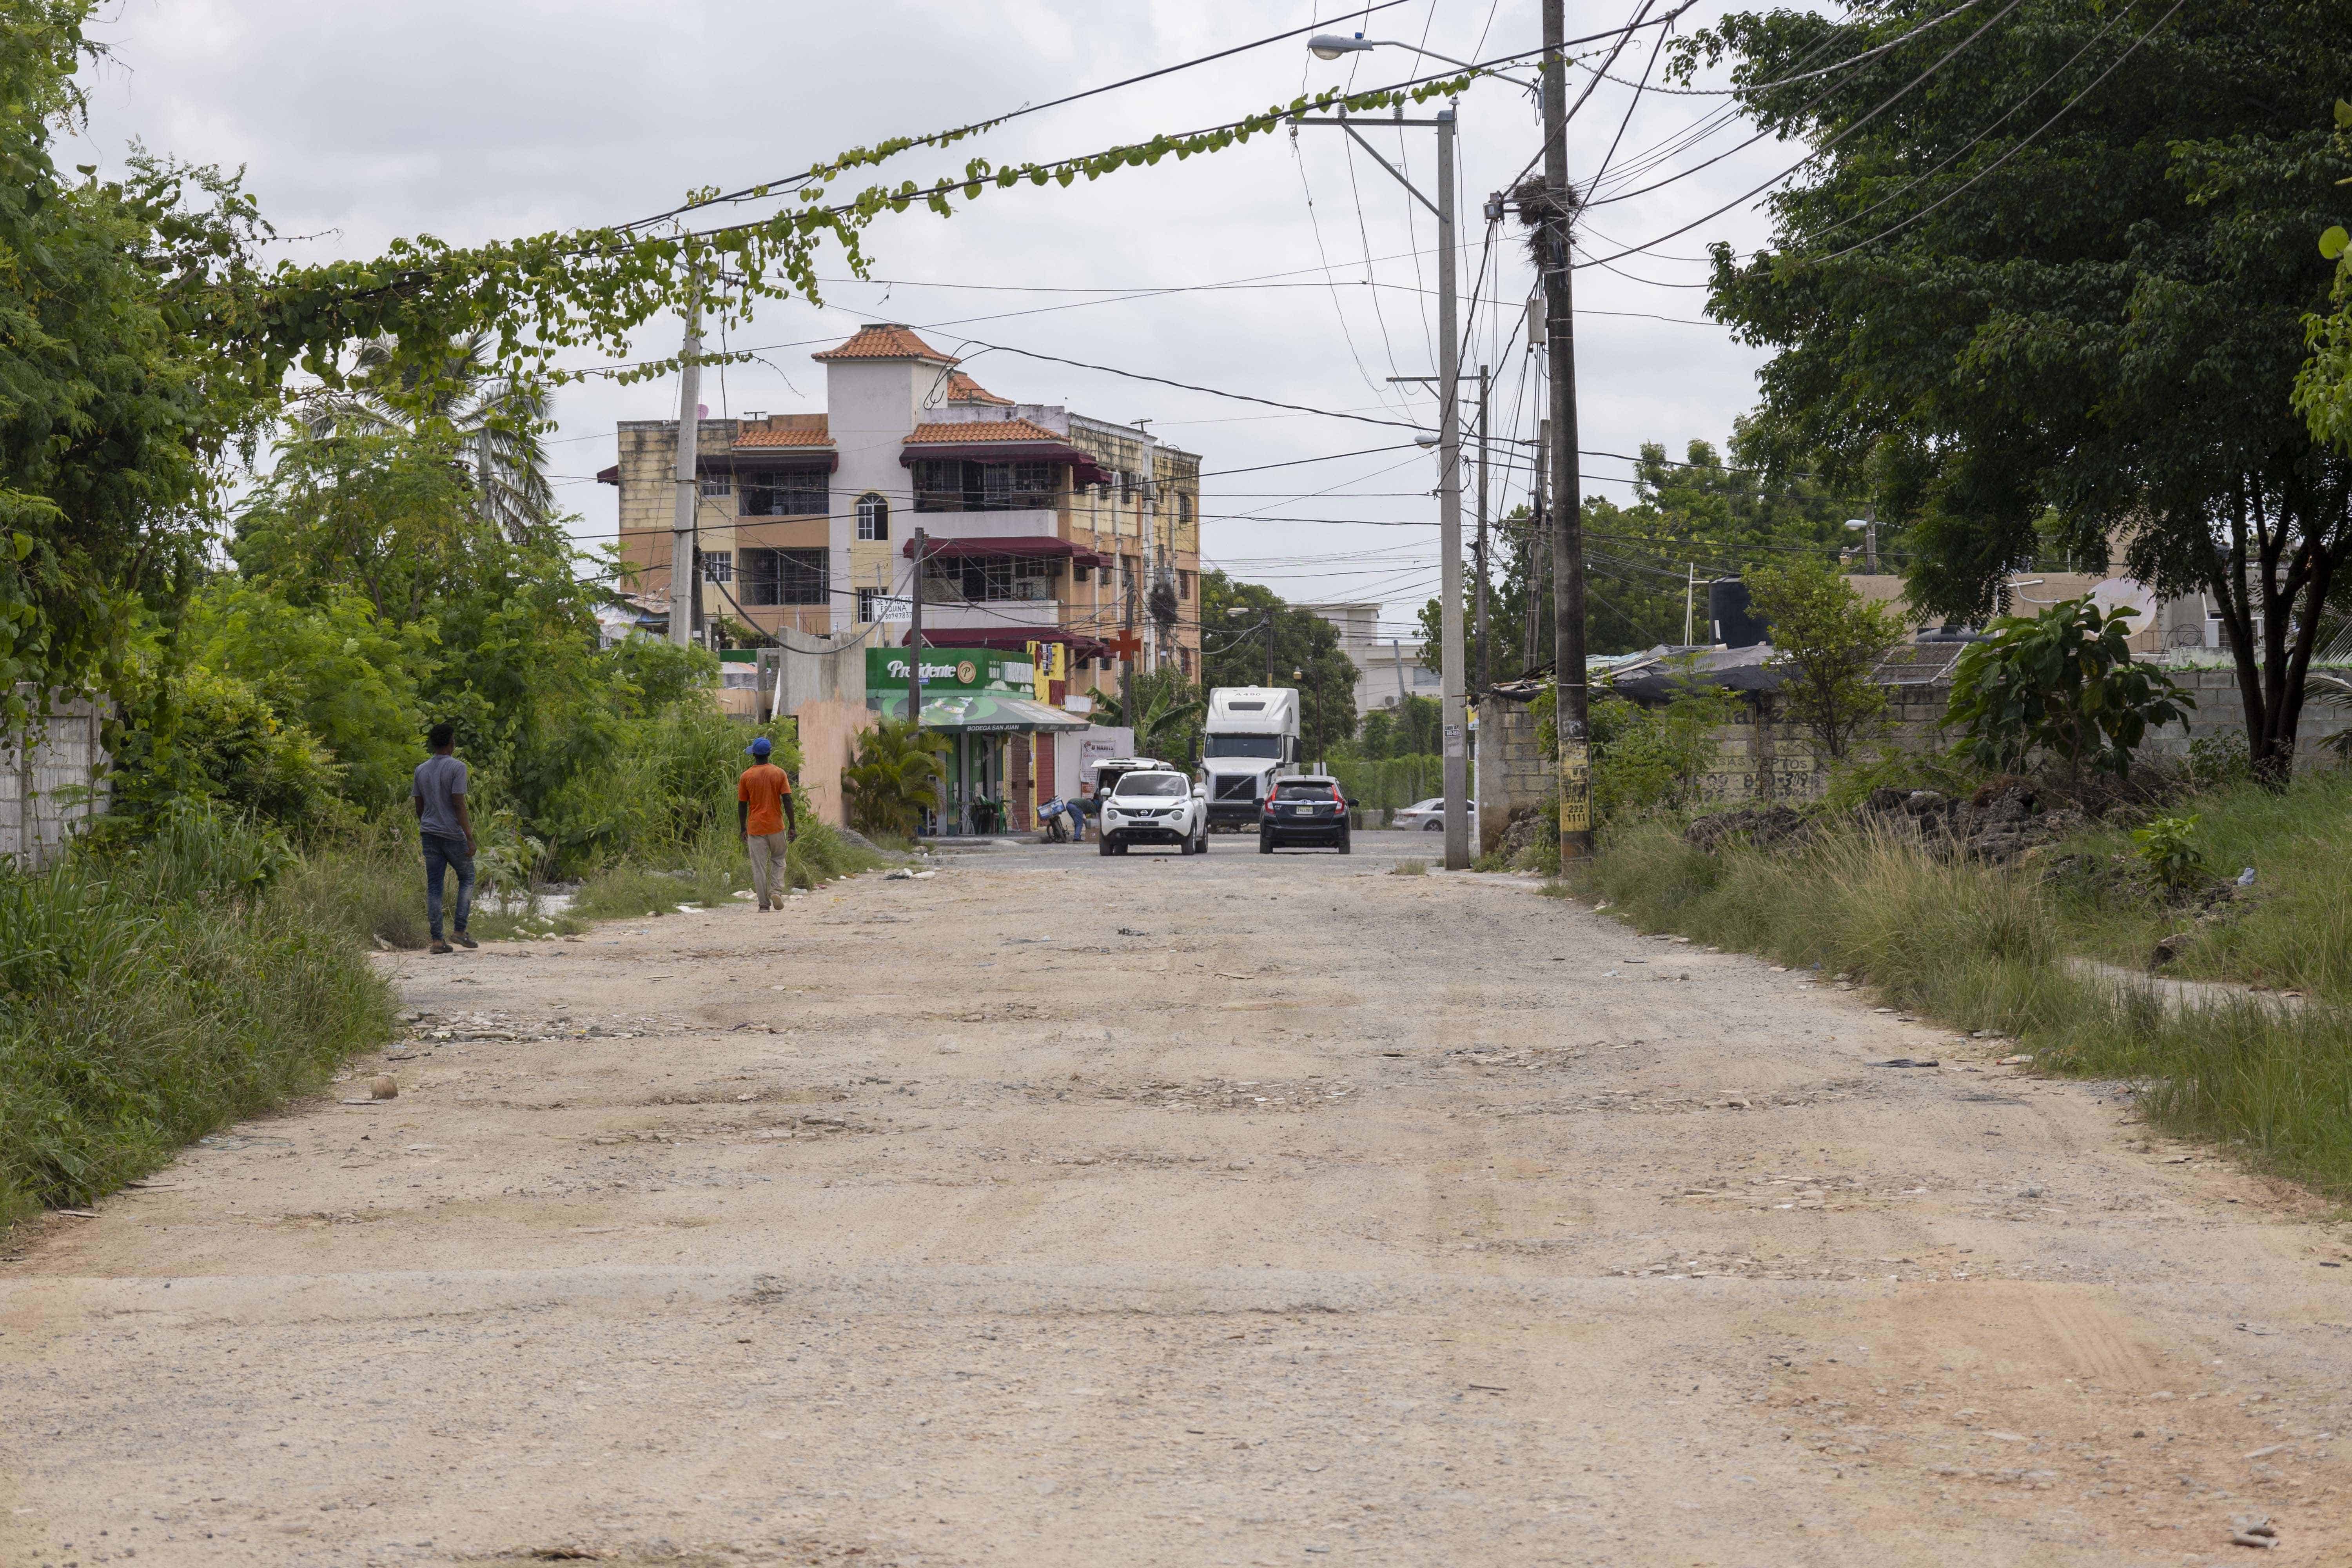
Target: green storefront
x=980 y=698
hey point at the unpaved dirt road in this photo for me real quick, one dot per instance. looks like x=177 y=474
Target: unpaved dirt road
x=1061 y=1210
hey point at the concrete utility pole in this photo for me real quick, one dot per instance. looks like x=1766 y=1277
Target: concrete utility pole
x=1485 y=651
x=1453 y=720
x=1539 y=532
x=684 y=590
x=1396 y=650
x=1567 y=484
x=1455 y=717
x=915 y=640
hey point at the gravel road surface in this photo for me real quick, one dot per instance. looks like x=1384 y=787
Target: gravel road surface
x=1062 y=1210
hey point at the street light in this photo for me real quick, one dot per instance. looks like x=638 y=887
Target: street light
x=1454 y=738
x=1266 y=625
x=1331 y=46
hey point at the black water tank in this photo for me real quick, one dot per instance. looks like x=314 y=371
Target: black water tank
x=1735 y=625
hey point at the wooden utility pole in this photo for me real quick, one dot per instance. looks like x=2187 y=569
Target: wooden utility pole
x=1567 y=484
x=684 y=584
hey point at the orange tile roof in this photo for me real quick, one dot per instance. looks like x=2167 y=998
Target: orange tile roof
x=962 y=388
x=784 y=430
x=974 y=432
x=887 y=341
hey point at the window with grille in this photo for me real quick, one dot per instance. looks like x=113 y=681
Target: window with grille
x=717 y=566
x=985 y=579
x=873 y=517
x=718 y=483
x=786 y=492
x=1183 y=506
x=785 y=577
x=947 y=484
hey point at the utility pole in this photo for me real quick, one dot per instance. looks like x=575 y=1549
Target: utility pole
x=685 y=579
x=1539 y=532
x=915 y=640
x=1127 y=648
x=1690 y=601
x=1454 y=715
x=1485 y=651
x=1268 y=625
x=1568 y=485
x=1396 y=650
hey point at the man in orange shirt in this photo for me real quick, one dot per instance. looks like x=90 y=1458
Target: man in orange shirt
x=764 y=816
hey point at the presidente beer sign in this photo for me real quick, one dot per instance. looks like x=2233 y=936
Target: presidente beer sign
x=949 y=669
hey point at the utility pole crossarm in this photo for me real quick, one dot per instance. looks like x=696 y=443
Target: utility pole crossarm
x=1395 y=173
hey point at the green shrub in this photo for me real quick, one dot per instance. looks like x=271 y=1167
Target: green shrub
x=2166 y=848
x=143 y=1003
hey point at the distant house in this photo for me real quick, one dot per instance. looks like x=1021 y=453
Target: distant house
x=1043 y=525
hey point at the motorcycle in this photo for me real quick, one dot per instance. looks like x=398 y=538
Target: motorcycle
x=1052 y=824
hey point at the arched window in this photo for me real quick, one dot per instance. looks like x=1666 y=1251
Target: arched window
x=873 y=517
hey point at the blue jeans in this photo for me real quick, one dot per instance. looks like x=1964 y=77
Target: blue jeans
x=447 y=855
x=1078 y=824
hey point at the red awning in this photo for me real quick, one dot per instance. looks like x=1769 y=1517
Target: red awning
x=1084 y=469
x=1081 y=645
x=1026 y=547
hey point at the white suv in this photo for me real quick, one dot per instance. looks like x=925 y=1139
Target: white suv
x=1155 y=806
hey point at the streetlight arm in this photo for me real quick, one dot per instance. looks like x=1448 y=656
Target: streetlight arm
x=1337 y=45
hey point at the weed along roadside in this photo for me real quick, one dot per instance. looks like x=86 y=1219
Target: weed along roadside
x=2066 y=945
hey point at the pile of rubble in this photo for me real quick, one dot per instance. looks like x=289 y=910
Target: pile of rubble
x=1997 y=825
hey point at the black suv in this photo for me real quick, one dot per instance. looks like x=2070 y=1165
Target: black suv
x=1308 y=810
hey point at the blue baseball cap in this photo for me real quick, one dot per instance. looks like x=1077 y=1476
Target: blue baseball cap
x=759 y=746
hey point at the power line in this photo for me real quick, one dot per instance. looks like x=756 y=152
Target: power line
x=792 y=182
x=1878 y=109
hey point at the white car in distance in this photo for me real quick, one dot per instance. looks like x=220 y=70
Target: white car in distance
x=1155 y=806
x=1429 y=817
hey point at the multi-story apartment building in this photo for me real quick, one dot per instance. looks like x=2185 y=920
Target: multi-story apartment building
x=1041 y=525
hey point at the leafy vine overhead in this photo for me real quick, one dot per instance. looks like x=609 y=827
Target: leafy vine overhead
x=536 y=296
x=2323 y=389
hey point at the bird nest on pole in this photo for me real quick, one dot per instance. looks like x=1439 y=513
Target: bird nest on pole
x=1538 y=203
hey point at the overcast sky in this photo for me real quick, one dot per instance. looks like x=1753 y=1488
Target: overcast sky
x=469 y=121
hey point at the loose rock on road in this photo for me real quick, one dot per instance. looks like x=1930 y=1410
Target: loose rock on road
x=1334 y=1215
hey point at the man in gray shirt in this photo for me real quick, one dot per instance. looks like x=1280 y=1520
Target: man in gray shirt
x=439 y=794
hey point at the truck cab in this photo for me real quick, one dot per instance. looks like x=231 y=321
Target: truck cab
x=1250 y=740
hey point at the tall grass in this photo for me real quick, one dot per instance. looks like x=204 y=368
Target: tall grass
x=2293 y=927
x=1983 y=948
x=150 y=995
x=708 y=869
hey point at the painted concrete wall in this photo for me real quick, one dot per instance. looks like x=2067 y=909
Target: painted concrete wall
x=828 y=735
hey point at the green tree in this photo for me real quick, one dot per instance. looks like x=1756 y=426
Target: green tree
x=496 y=424
x=1168 y=708
x=1828 y=640
x=118 y=390
x=2099 y=312
x=2062 y=683
x=892 y=779
x=349 y=680
x=1232 y=653
x=1687 y=522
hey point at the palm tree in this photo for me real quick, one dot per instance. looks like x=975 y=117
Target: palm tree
x=893 y=777
x=499 y=421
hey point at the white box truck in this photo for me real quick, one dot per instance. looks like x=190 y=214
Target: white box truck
x=1250 y=740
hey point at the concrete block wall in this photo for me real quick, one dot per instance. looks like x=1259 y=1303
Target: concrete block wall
x=52 y=780
x=1777 y=760
x=1512 y=772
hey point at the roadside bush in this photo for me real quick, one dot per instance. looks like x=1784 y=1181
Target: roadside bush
x=150 y=995
x=892 y=780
